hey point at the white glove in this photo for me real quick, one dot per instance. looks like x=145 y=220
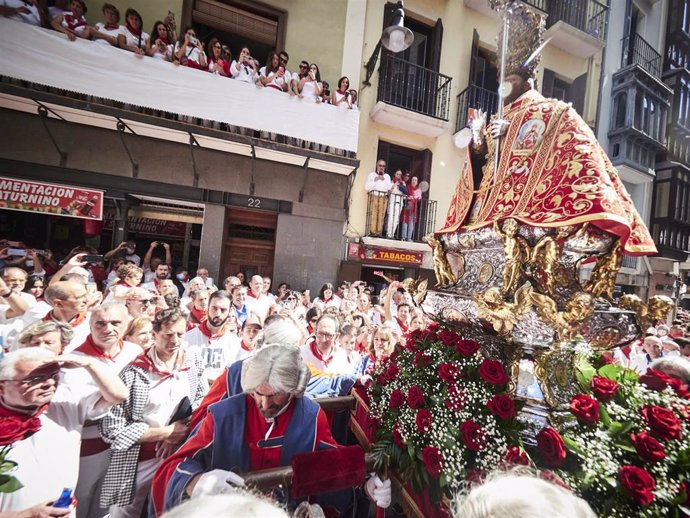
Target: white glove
x=498 y=127
x=216 y=482
x=379 y=491
x=365 y=380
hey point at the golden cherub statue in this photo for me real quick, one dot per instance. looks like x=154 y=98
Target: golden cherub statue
x=578 y=310
x=648 y=315
x=546 y=256
x=444 y=273
x=517 y=254
x=503 y=315
x=603 y=279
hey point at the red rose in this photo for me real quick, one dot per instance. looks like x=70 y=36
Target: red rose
x=585 y=408
x=449 y=372
x=517 y=457
x=647 y=447
x=415 y=397
x=398 y=438
x=411 y=342
x=456 y=398
x=551 y=447
x=448 y=337
x=639 y=484
x=663 y=422
x=382 y=380
x=421 y=359
x=472 y=435
x=423 y=420
x=466 y=347
x=392 y=371
x=492 y=371
x=397 y=399
x=13 y=429
x=655 y=380
x=604 y=389
x=433 y=461
x=501 y=406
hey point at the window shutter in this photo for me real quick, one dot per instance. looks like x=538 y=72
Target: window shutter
x=577 y=93
x=547 y=83
x=236 y=21
x=436 y=42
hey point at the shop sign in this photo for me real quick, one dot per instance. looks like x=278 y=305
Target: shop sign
x=151 y=226
x=50 y=198
x=372 y=253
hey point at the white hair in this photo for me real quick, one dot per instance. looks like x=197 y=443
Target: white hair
x=241 y=504
x=675 y=366
x=8 y=364
x=283 y=332
x=110 y=306
x=519 y=495
x=278 y=366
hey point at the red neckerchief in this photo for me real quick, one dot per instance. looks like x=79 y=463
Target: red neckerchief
x=310 y=329
x=207 y=332
x=16 y=426
x=403 y=327
x=164 y=40
x=144 y=361
x=318 y=355
x=75 y=322
x=327 y=300
x=111 y=27
x=135 y=32
x=250 y=293
x=73 y=22
x=91 y=349
x=121 y=282
x=245 y=347
x=199 y=315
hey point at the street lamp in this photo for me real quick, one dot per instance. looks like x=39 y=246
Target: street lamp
x=396 y=38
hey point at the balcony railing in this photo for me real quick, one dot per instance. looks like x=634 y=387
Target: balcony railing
x=636 y=51
x=589 y=16
x=477 y=98
x=394 y=216
x=629 y=261
x=413 y=87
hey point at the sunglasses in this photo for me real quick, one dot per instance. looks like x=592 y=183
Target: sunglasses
x=291 y=299
x=37 y=379
x=303 y=67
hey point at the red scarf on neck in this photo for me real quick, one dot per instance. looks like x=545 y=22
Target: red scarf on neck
x=75 y=322
x=250 y=293
x=315 y=351
x=16 y=426
x=207 y=332
x=403 y=326
x=144 y=361
x=199 y=315
x=249 y=349
x=90 y=348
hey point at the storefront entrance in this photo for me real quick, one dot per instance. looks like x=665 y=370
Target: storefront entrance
x=250 y=242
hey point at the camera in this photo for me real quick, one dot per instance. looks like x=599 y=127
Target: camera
x=194 y=40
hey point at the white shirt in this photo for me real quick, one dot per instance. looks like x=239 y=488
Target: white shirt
x=337 y=365
x=41 y=310
x=382 y=186
x=259 y=306
x=32 y=18
x=242 y=73
x=134 y=41
x=216 y=353
x=48 y=461
x=113 y=33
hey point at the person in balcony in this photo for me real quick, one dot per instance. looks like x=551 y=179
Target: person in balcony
x=189 y=51
x=244 y=68
x=107 y=31
x=269 y=69
x=132 y=36
x=22 y=11
x=216 y=63
x=341 y=96
x=411 y=210
x=160 y=43
x=73 y=23
x=378 y=185
x=293 y=87
x=310 y=87
x=397 y=197
x=353 y=99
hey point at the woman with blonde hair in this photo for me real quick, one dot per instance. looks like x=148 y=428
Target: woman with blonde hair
x=381 y=346
x=139 y=331
x=50 y=335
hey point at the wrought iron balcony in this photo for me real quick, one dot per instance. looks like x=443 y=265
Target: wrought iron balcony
x=477 y=98
x=589 y=16
x=671 y=210
x=413 y=87
x=395 y=216
x=636 y=51
x=679 y=117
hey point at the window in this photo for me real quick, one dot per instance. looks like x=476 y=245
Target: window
x=620 y=108
x=662 y=201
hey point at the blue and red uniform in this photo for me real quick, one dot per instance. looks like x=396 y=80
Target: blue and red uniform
x=218 y=443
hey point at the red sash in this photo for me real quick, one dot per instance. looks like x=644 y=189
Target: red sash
x=91 y=349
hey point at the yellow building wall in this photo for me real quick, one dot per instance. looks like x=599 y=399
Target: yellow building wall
x=448 y=161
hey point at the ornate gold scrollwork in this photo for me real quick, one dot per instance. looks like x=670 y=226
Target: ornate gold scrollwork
x=503 y=315
x=566 y=324
x=658 y=308
x=603 y=279
x=442 y=269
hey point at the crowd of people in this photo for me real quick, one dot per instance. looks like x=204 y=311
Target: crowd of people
x=163 y=43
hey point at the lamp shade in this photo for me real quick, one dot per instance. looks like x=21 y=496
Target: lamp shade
x=397 y=37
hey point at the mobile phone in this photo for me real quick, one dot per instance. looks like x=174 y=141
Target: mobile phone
x=171 y=15
x=92 y=258
x=20 y=252
x=194 y=40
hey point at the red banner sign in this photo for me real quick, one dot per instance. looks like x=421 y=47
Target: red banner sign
x=50 y=198
x=160 y=227
x=372 y=253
